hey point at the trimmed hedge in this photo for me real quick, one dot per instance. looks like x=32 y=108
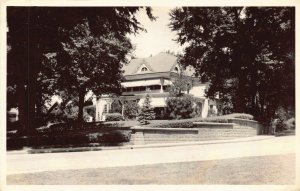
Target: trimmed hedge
x=172 y=124
x=214 y=120
x=114 y=117
x=61 y=128
x=188 y=123
x=224 y=118
x=112 y=137
x=241 y=116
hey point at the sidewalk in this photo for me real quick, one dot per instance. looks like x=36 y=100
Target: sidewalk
x=157 y=145
x=144 y=155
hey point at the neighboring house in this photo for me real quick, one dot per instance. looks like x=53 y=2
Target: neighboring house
x=13 y=115
x=153 y=75
x=55 y=109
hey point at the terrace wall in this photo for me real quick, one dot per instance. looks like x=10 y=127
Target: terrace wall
x=202 y=131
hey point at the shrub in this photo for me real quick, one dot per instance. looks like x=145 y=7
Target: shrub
x=179 y=107
x=241 y=116
x=74 y=127
x=291 y=123
x=282 y=117
x=147 y=112
x=107 y=137
x=113 y=117
x=131 y=110
x=214 y=120
x=116 y=107
x=116 y=137
x=211 y=112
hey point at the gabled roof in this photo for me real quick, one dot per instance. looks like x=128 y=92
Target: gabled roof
x=162 y=62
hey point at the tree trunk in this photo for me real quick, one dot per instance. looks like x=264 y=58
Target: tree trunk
x=240 y=99
x=21 y=101
x=34 y=65
x=80 y=105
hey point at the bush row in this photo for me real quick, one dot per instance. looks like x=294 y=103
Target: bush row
x=188 y=123
x=78 y=127
x=240 y=116
x=173 y=124
x=225 y=118
x=79 y=139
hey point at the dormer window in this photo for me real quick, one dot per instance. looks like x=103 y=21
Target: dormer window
x=176 y=69
x=144 y=69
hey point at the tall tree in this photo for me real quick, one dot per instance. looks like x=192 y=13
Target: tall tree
x=35 y=31
x=241 y=52
x=147 y=113
x=181 y=83
x=92 y=63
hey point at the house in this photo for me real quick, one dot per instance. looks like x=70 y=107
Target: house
x=13 y=115
x=153 y=76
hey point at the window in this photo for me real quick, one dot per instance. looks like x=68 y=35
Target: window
x=136 y=89
x=105 y=109
x=129 y=89
x=166 y=87
x=211 y=106
x=154 y=87
x=144 y=69
x=142 y=88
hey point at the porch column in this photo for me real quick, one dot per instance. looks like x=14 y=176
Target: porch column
x=122 y=102
x=161 y=85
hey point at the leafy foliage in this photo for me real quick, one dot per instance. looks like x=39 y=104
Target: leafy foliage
x=180 y=107
x=147 y=112
x=241 y=52
x=173 y=124
x=281 y=119
x=180 y=84
x=36 y=31
x=90 y=63
x=114 y=117
x=211 y=112
x=291 y=123
x=116 y=106
x=131 y=110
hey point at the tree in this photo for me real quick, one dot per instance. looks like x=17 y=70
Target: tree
x=116 y=106
x=147 y=112
x=91 y=63
x=181 y=83
x=131 y=109
x=35 y=31
x=180 y=105
x=241 y=52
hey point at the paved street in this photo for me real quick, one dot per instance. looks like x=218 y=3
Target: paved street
x=28 y=163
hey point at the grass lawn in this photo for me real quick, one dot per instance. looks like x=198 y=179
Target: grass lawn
x=276 y=169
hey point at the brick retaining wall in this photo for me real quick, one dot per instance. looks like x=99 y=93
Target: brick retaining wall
x=202 y=131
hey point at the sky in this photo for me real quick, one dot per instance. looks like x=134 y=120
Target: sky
x=158 y=37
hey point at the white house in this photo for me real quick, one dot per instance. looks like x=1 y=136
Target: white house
x=153 y=75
